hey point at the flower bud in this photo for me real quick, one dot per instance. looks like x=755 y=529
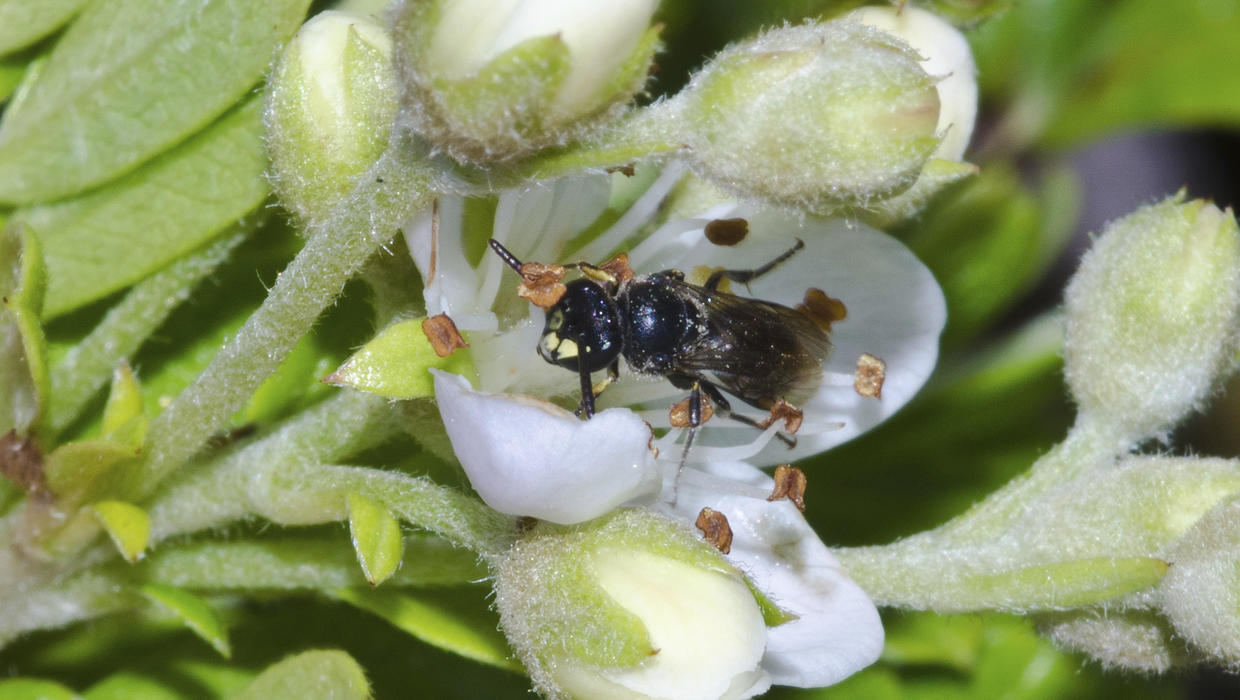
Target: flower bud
x=487 y=80
x=817 y=116
x=947 y=59
x=1201 y=591
x=1152 y=316
x=632 y=606
x=330 y=109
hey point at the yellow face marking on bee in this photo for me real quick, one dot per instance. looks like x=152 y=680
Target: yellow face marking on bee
x=567 y=350
x=550 y=343
x=555 y=320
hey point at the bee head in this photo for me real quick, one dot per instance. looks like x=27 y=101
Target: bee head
x=583 y=323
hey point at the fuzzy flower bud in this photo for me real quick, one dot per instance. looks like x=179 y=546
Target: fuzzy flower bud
x=946 y=57
x=494 y=80
x=1152 y=316
x=330 y=109
x=633 y=606
x=1201 y=592
x=817 y=116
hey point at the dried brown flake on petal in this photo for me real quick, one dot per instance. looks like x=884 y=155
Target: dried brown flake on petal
x=626 y=170
x=654 y=449
x=715 y=528
x=790 y=483
x=22 y=463
x=542 y=284
x=444 y=336
x=789 y=414
x=679 y=415
x=823 y=310
x=618 y=267
x=727 y=232
x=868 y=381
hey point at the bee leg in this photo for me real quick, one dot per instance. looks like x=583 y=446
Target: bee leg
x=613 y=373
x=745 y=276
x=586 y=407
x=723 y=408
x=695 y=420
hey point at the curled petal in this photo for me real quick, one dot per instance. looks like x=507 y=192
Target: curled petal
x=528 y=457
x=837 y=631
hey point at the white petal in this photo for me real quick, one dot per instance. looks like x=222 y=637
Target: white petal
x=895 y=309
x=525 y=456
x=838 y=631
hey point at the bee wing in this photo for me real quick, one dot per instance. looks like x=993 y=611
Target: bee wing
x=759 y=351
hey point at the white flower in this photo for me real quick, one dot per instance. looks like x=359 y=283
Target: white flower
x=895 y=311
x=947 y=57
x=525 y=456
x=837 y=631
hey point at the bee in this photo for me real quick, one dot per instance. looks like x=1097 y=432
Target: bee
x=697 y=337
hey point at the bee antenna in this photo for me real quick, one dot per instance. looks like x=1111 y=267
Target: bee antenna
x=506 y=256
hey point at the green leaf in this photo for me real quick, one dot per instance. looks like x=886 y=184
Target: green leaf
x=321 y=673
x=131 y=685
x=394 y=364
x=130 y=79
x=23 y=355
x=376 y=538
x=1073 y=71
x=87 y=361
x=11 y=72
x=23 y=22
x=1155 y=64
x=34 y=689
x=193 y=611
x=113 y=237
x=986 y=242
x=457 y=621
x=127 y=525
x=122 y=414
x=87 y=470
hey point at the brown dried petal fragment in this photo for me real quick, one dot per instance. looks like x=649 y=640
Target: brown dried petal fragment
x=618 y=267
x=789 y=414
x=542 y=284
x=715 y=528
x=22 y=463
x=679 y=415
x=790 y=483
x=726 y=231
x=625 y=170
x=868 y=381
x=822 y=309
x=444 y=336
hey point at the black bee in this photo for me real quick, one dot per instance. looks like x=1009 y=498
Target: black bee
x=698 y=337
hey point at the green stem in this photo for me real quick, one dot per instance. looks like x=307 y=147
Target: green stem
x=337 y=246
x=218 y=492
x=420 y=502
x=86 y=368
x=646 y=133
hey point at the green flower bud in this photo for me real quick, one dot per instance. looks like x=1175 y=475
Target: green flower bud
x=1201 y=592
x=330 y=109
x=819 y=116
x=1152 y=316
x=489 y=80
x=631 y=606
